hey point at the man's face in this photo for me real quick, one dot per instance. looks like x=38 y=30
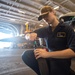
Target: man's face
x=49 y=17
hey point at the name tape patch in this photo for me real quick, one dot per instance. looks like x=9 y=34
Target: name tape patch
x=61 y=34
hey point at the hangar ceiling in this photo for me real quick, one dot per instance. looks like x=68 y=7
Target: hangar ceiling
x=21 y=11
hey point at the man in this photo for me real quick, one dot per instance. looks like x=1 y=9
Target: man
x=60 y=41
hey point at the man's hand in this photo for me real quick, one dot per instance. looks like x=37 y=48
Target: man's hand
x=40 y=53
x=31 y=36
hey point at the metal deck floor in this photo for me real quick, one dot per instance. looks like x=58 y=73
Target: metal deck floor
x=11 y=63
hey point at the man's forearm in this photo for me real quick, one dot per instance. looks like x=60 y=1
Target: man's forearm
x=67 y=53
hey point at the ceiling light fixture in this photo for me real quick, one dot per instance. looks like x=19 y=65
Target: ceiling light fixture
x=56 y=7
x=41 y=25
x=12 y=19
x=21 y=12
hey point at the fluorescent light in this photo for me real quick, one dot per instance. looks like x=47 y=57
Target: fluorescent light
x=57 y=7
x=21 y=12
x=12 y=19
x=41 y=25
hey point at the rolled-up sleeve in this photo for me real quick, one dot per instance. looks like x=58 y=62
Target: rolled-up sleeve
x=42 y=32
x=72 y=45
x=71 y=39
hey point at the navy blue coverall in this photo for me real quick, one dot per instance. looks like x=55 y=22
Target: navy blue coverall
x=59 y=39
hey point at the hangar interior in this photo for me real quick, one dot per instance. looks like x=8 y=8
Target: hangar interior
x=19 y=16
